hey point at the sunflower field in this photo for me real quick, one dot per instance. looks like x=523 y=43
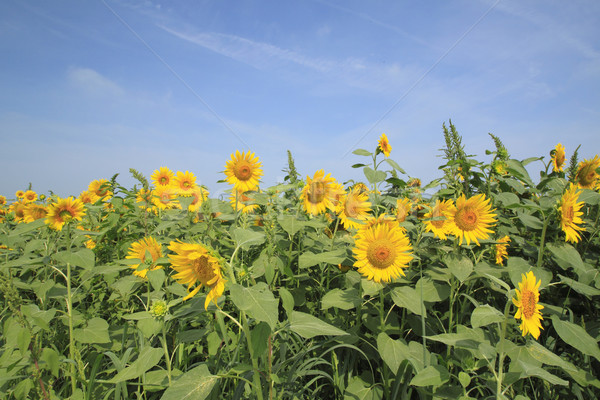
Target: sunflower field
x=483 y=284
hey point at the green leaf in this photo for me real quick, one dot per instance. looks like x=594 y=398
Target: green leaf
x=95 y=332
x=196 y=384
x=533 y=370
x=566 y=256
x=290 y=224
x=374 y=176
x=147 y=359
x=308 y=259
x=395 y=165
x=406 y=297
x=581 y=288
x=518 y=171
x=156 y=278
x=460 y=266
x=362 y=152
x=530 y=221
x=287 y=299
x=432 y=292
x=344 y=299
x=434 y=375
x=357 y=389
x=309 y=326
x=84 y=258
x=392 y=352
x=485 y=315
x=51 y=360
x=260 y=338
x=23 y=340
x=246 y=238
x=258 y=301
x=576 y=336
x=507 y=198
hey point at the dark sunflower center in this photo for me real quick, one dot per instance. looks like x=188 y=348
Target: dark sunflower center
x=587 y=176
x=466 y=219
x=186 y=184
x=202 y=269
x=316 y=192
x=381 y=253
x=242 y=171
x=568 y=213
x=528 y=303
x=164 y=180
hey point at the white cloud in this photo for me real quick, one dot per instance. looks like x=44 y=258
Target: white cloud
x=93 y=83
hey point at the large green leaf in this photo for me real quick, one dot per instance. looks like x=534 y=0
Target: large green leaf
x=407 y=297
x=344 y=299
x=585 y=290
x=360 y=390
x=566 y=256
x=485 y=315
x=374 y=176
x=308 y=259
x=393 y=352
x=84 y=258
x=460 y=266
x=576 y=336
x=246 y=238
x=432 y=291
x=96 y=331
x=147 y=359
x=309 y=326
x=290 y=224
x=362 y=152
x=434 y=375
x=196 y=384
x=258 y=301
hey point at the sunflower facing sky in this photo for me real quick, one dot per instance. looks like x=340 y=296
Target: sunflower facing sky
x=382 y=251
x=472 y=218
x=502 y=249
x=33 y=212
x=586 y=176
x=437 y=221
x=558 y=158
x=64 y=211
x=354 y=207
x=195 y=264
x=185 y=182
x=319 y=193
x=162 y=177
x=100 y=189
x=528 y=309
x=570 y=214
x=243 y=171
x=384 y=145
x=30 y=196
x=138 y=250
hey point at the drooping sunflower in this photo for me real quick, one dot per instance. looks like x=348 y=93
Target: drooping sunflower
x=242 y=202
x=162 y=177
x=33 y=212
x=354 y=207
x=384 y=145
x=185 y=182
x=243 y=171
x=570 y=214
x=319 y=193
x=526 y=301
x=195 y=264
x=472 y=218
x=382 y=252
x=558 y=158
x=64 y=211
x=437 y=220
x=403 y=207
x=138 y=250
x=502 y=249
x=100 y=189
x=30 y=196
x=586 y=173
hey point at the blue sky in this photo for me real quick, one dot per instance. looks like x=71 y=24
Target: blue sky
x=93 y=88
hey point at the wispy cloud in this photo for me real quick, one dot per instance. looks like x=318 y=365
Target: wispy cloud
x=93 y=83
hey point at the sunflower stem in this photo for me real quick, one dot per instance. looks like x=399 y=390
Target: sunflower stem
x=382 y=329
x=423 y=311
x=70 y=321
x=542 y=238
x=502 y=354
x=166 y=350
x=256 y=372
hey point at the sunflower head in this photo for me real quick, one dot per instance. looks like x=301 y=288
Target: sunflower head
x=320 y=193
x=147 y=250
x=162 y=177
x=34 y=212
x=558 y=158
x=472 y=218
x=100 y=189
x=185 y=182
x=243 y=171
x=382 y=251
x=403 y=207
x=2 y=200
x=384 y=145
x=242 y=201
x=501 y=249
x=438 y=219
x=528 y=309
x=354 y=207
x=64 y=211
x=587 y=176
x=19 y=194
x=30 y=196
x=570 y=214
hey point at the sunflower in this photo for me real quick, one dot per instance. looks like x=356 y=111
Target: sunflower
x=558 y=158
x=162 y=177
x=87 y=197
x=164 y=197
x=138 y=250
x=381 y=252
x=384 y=145
x=243 y=171
x=194 y=263
x=354 y=206
x=319 y=193
x=33 y=211
x=100 y=189
x=19 y=194
x=471 y=218
x=185 y=182
x=528 y=310
x=243 y=202
x=2 y=200
x=501 y=249
x=403 y=208
x=30 y=196
x=570 y=214
x=586 y=173
x=337 y=193
x=200 y=195
x=438 y=219
x=18 y=208
x=64 y=211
